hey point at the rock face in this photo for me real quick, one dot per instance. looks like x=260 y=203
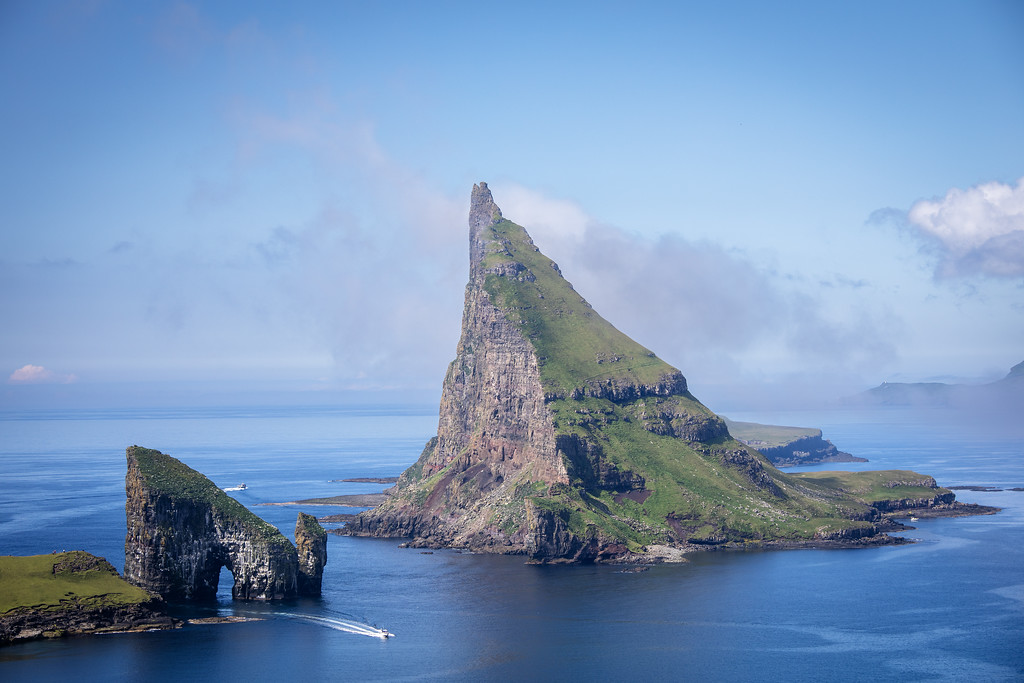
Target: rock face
x=561 y=438
x=182 y=529
x=72 y=593
x=311 y=544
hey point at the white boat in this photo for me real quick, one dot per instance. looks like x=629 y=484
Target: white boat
x=913 y=519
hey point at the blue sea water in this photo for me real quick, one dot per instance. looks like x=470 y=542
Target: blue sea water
x=949 y=608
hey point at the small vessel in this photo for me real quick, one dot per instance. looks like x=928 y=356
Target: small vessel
x=385 y=634
x=242 y=487
x=912 y=519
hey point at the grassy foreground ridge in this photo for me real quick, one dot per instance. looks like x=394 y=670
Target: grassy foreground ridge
x=62 y=580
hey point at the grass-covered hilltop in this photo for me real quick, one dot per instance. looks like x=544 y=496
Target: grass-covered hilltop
x=562 y=438
x=68 y=593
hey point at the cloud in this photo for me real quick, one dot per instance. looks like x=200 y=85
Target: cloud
x=37 y=374
x=711 y=311
x=978 y=231
x=380 y=291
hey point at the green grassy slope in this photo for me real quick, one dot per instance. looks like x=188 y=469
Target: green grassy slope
x=689 y=489
x=576 y=346
x=874 y=485
x=52 y=582
x=768 y=436
x=169 y=475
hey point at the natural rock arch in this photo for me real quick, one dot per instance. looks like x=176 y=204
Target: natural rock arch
x=182 y=529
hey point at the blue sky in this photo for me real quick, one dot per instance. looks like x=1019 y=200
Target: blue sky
x=789 y=202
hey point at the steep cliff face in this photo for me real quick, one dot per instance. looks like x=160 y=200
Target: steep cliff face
x=562 y=438
x=182 y=529
x=311 y=544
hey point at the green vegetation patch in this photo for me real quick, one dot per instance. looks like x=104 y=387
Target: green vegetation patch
x=310 y=525
x=62 y=581
x=170 y=476
x=687 y=490
x=768 y=436
x=575 y=346
x=874 y=485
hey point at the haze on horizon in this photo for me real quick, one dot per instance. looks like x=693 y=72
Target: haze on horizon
x=789 y=203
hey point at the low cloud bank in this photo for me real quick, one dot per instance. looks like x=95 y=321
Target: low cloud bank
x=724 y=320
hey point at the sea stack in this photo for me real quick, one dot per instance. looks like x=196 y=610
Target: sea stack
x=182 y=529
x=311 y=544
x=561 y=438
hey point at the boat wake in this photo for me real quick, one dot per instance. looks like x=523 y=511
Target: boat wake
x=240 y=487
x=345 y=625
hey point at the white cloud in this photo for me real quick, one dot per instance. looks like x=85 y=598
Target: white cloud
x=37 y=374
x=557 y=217
x=975 y=231
x=711 y=311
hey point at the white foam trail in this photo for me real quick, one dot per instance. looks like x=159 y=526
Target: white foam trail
x=344 y=625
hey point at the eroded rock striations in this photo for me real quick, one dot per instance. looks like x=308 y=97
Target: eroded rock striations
x=182 y=529
x=561 y=438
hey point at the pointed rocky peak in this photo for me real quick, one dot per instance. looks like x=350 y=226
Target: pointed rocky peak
x=482 y=209
x=483 y=213
x=562 y=438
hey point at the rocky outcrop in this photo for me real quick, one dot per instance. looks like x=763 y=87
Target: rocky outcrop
x=311 y=545
x=943 y=499
x=808 y=450
x=551 y=537
x=182 y=529
x=74 y=593
x=789 y=446
x=563 y=439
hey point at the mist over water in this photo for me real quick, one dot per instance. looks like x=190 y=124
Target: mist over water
x=950 y=607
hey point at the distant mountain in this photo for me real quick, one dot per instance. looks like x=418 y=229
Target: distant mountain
x=1009 y=389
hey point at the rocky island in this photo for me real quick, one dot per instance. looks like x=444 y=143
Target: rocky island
x=562 y=439
x=182 y=529
x=72 y=593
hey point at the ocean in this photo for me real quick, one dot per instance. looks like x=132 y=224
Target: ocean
x=948 y=608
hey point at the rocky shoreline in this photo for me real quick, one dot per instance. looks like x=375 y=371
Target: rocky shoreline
x=72 y=619
x=886 y=524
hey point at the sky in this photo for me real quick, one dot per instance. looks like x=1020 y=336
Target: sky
x=789 y=202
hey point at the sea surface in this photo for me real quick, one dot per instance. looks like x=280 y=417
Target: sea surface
x=948 y=608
